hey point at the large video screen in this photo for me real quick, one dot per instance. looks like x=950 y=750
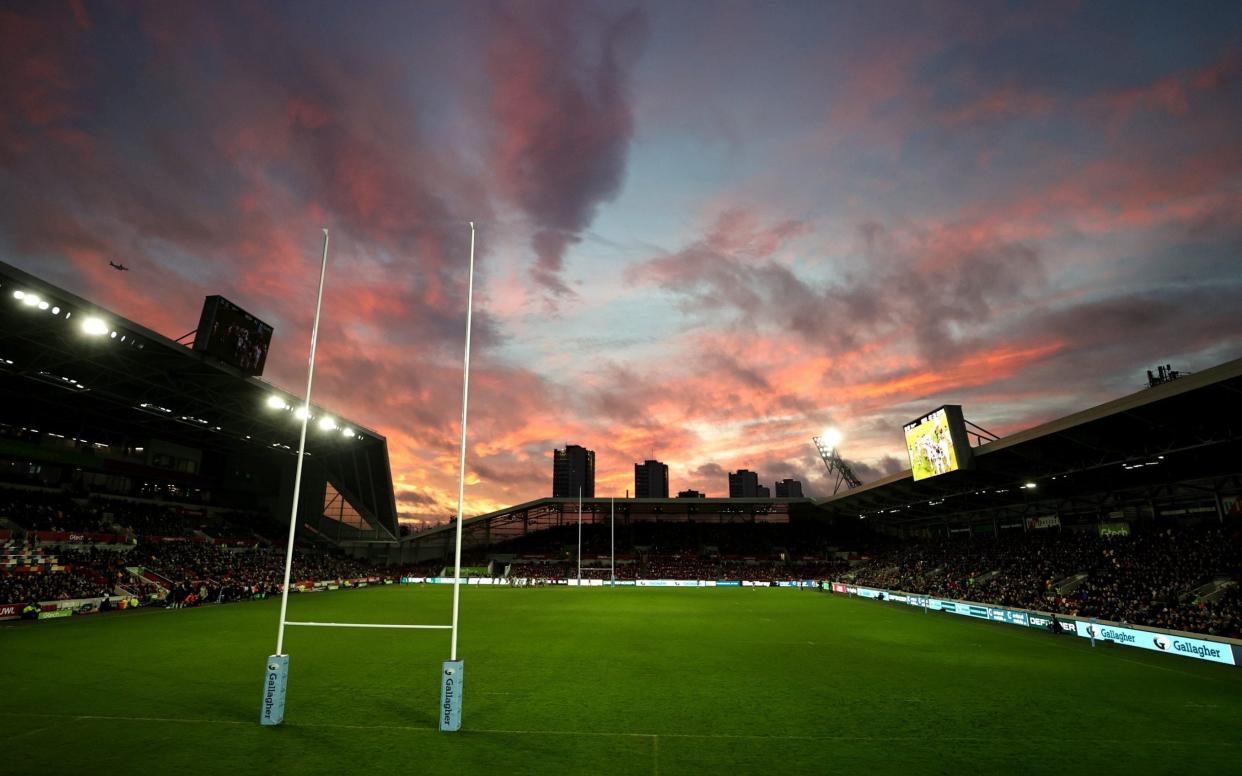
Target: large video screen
x=937 y=443
x=229 y=333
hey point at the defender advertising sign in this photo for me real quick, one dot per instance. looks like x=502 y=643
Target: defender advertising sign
x=275 y=682
x=451 y=682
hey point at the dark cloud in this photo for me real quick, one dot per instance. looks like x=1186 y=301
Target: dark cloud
x=560 y=81
x=414 y=498
x=711 y=471
x=937 y=286
x=884 y=467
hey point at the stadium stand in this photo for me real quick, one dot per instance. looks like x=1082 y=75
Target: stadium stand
x=1147 y=578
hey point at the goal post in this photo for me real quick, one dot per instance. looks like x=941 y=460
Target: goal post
x=276 y=667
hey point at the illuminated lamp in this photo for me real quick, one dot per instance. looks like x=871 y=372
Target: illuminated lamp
x=830 y=438
x=96 y=327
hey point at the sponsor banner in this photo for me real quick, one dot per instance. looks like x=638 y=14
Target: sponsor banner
x=959 y=607
x=275 y=683
x=1200 y=649
x=998 y=614
x=1232 y=505
x=837 y=587
x=55 y=614
x=452 y=678
x=10 y=611
x=728 y=583
x=1047 y=521
x=1115 y=529
x=1037 y=620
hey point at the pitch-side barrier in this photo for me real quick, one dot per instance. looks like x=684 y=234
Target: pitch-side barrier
x=1213 y=649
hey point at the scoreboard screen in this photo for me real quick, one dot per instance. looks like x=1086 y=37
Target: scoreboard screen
x=232 y=335
x=937 y=442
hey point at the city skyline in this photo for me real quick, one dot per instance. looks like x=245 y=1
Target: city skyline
x=705 y=232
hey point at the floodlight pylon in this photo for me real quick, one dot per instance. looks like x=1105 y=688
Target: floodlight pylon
x=838 y=469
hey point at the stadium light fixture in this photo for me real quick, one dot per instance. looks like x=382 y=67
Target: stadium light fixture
x=55 y=311
x=327 y=423
x=1030 y=486
x=43 y=305
x=18 y=294
x=349 y=432
x=830 y=438
x=277 y=403
x=302 y=414
x=96 y=327
x=30 y=300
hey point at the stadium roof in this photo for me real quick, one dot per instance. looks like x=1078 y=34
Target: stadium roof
x=519 y=520
x=129 y=382
x=1177 y=440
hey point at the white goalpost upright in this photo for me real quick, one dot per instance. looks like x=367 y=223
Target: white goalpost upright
x=276 y=673
x=453 y=672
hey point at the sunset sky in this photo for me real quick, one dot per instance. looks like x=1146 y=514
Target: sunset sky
x=706 y=230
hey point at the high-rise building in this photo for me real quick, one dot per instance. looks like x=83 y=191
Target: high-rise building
x=789 y=489
x=651 y=480
x=573 y=468
x=762 y=491
x=743 y=483
x=690 y=494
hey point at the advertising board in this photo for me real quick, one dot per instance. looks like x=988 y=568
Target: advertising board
x=1199 y=649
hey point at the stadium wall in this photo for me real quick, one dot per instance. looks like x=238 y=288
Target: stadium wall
x=1190 y=645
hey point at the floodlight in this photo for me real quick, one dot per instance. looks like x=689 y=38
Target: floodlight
x=830 y=438
x=113 y=335
x=42 y=305
x=96 y=327
x=30 y=300
x=18 y=294
x=55 y=311
x=327 y=423
x=301 y=413
x=1029 y=486
x=349 y=432
x=277 y=403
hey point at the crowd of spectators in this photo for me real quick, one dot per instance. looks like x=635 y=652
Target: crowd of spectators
x=682 y=567
x=1145 y=578
x=182 y=572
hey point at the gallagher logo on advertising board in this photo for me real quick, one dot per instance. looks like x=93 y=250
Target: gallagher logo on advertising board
x=1161 y=643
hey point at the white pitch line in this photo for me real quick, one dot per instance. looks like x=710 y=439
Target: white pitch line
x=367 y=625
x=622 y=734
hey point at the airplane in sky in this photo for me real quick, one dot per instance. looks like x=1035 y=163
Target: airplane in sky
x=118 y=267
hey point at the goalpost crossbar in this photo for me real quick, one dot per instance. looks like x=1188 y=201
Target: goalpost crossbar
x=366 y=625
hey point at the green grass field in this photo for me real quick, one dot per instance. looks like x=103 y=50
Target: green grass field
x=599 y=681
